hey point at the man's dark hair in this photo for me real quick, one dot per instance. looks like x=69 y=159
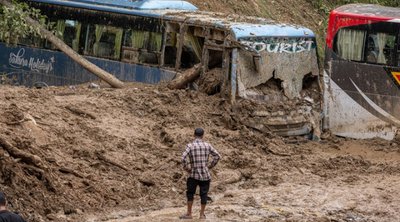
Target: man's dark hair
x=2 y=199
x=199 y=132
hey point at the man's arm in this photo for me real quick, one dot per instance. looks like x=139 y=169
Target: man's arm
x=215 y=155
x=185 y=162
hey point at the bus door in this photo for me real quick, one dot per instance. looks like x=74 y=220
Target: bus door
x=276 y=72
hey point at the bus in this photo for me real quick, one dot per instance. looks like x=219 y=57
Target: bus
x=250 y=59
x=362 y=72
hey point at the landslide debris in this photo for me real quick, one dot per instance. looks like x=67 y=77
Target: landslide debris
x=66 y=152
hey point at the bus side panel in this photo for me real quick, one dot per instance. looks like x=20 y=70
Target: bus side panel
x=361 y=101
x=345 y=117
x=27 y=66
x=133 y=72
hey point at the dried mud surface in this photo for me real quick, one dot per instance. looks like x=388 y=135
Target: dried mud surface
x=114 y=155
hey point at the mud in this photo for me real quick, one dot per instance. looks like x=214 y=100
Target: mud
x=117 y=159
x=211 y=82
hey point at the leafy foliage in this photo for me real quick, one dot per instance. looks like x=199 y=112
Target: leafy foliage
x=13 y=25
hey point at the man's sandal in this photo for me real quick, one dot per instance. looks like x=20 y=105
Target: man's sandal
x=202 y=217
x=185 y=216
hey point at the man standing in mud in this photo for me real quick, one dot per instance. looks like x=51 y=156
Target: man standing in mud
x=198 y=169
x=5 y=215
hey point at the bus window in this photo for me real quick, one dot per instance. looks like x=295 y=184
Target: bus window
x=87 y=39
x=350 y=44
x=155 y=39
x=31 y=40
x=398 y=50
x=170 y=49
x=152 y=55
x=69 y=31
x=102 y=41
x=192 y=50
x=215 y=60
x=108 y=42
x=380 y=48
x=141 y=46
x=192 y=47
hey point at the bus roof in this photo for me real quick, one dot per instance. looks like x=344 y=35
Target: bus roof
x=241 y=26
x=276 y=30
x=368 y=11
x=123 y=4
x=358 y=14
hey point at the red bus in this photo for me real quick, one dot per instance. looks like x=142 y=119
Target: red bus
x=362 y=72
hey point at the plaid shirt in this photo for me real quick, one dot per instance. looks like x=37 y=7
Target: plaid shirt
x=198 y=152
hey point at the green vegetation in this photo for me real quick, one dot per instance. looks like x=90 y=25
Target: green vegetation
x=12 y=21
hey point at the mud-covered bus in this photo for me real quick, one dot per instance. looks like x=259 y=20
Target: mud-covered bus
x=251 y=59
x=362 y=71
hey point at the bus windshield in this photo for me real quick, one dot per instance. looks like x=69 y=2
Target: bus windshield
x=287 y=60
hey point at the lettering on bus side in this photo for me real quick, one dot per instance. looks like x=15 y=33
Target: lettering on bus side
x=279 y=47
x=19 y=61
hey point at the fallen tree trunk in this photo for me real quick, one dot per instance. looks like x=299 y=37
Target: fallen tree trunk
x=102 y=74
x=186 y=77
x=80 y=112
x=70 y=171
x=112 y=162
x=17 y=153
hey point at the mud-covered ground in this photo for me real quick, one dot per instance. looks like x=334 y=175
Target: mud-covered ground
x=81 y=154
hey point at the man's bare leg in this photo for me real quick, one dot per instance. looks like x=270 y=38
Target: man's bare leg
x=188 y=214
x=202 y=215
x=189 y=208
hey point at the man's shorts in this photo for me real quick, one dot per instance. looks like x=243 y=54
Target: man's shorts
x=191 y=189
